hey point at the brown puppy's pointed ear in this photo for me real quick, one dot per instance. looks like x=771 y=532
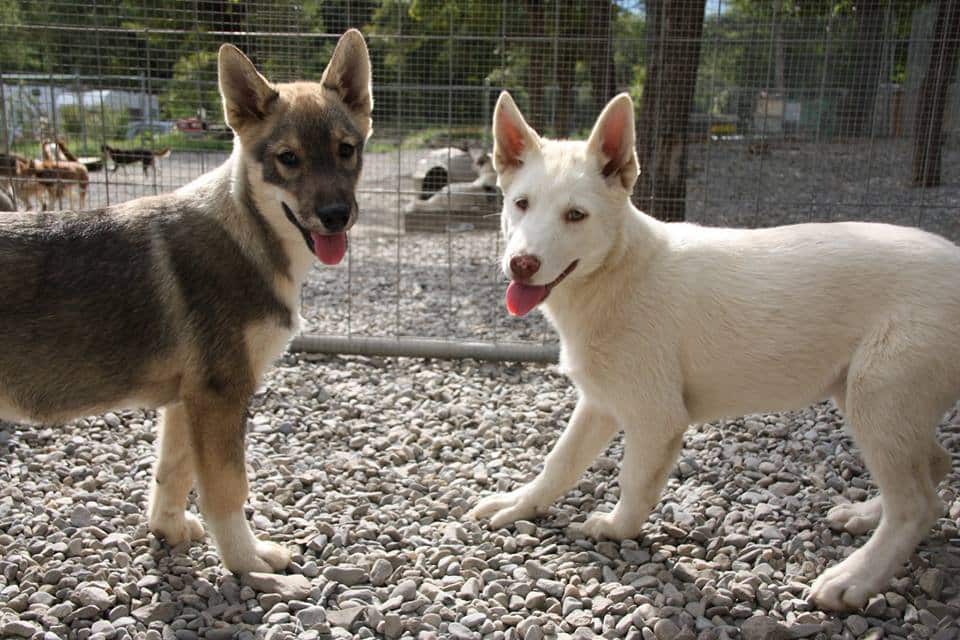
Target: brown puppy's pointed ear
x=613 y=141
x=512 y=136
x=247 y=96
x=348 y=74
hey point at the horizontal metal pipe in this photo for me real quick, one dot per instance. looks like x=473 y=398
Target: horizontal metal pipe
x=424 y=348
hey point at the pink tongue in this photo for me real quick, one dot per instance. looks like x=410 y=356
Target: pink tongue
x=523 y=297
x=329 y=248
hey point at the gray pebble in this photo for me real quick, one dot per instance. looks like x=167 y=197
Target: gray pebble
x=764 y=628
x=20 y=629
x=155 y=612
x=931 y=581
x=380 y=572
x=346 y=575
x=288 y=587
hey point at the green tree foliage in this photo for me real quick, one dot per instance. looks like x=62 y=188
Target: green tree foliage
x=561 y=58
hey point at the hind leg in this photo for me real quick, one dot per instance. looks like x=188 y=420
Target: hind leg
x=856 y=517
x=893 y=425
x=859 y=517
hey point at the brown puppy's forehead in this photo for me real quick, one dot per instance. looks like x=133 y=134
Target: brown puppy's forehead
x=315 y=137
x=310 y=101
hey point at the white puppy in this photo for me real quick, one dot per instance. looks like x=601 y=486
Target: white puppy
x=663 y=324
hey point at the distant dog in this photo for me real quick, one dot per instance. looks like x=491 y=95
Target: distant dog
x=21 y=175
x=57 y=150
x=183 y=300
x=664 y=324
x=60 y=177
x=6 y=201
x=146 y=157
x=10 y=165
x=43 y=184
x=63 y=178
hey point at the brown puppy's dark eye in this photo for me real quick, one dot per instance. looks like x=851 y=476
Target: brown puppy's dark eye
x=575 y=215
x=346 y=150
x=288 y=159
x=521 y=203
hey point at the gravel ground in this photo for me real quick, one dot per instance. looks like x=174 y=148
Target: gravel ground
x=367 y=466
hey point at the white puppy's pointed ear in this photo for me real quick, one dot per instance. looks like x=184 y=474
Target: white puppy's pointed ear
x=613 y=141
x=247 y=95
x=348 y=74
x=512 y=136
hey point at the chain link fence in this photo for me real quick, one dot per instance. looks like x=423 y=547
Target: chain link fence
x=750 y=114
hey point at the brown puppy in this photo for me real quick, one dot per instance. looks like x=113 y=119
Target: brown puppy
x=182 y=301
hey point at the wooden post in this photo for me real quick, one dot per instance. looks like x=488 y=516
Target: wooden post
x=928 y=140
x=673 y=55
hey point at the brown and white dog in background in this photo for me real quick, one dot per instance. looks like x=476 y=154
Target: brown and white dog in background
x=42 y=184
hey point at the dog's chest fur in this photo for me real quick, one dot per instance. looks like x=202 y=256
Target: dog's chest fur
x=266 y=339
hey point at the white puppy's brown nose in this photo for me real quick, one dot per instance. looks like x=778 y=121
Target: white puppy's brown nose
x=523 y=267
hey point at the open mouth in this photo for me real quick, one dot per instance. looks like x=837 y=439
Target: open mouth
x=328 y=247
x=521 y=298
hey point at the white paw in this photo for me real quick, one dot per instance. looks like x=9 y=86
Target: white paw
x=268 y=557
x=177 y=528
x=609 y=525
x=241 y=551
x=856 y=517
x=275 y=555
x=847 y=585
x=504 y=508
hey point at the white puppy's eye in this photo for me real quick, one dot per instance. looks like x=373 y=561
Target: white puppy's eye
x=575 y=215
x=521 y=203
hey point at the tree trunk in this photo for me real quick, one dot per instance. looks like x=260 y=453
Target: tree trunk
x=856 y=110
x=928 y=143
x=537 y=55
x=600 y=51
x=779 y=59
x=673 y=54
x=566 y=63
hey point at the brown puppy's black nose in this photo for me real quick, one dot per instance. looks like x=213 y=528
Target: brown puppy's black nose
x=523 y=267
x=334 y=216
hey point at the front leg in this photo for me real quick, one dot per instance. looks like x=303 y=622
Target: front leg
x=587 y=434
x=172 y=480
x=648 y=457
x=217 y=426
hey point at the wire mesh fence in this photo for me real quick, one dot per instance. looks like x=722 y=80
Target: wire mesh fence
x=749 y=114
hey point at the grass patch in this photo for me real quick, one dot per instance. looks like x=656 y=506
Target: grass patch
x=385 y=139
x=175 y=140
x=389 y=138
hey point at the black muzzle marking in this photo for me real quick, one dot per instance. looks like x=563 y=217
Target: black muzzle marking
x=293 y=220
